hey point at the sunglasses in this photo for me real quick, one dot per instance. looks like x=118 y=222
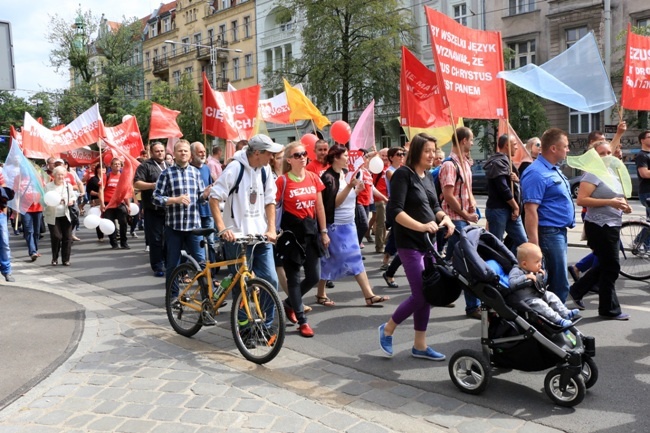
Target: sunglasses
x=400 y=154
x=538 y=144
x=299 y=155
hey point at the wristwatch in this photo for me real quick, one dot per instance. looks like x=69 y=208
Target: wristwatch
x=323 y=231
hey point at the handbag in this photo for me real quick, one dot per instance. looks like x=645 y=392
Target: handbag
x=439 y=285
x=73 y=210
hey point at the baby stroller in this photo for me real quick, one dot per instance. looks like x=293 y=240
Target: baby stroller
x=515 y=338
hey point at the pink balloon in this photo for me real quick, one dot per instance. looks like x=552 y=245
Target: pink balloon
x=340 y=131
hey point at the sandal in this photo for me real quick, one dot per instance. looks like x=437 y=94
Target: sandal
x=391 y=284
x=325 y=301
x=375 y=299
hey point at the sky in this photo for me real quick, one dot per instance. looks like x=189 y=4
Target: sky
x=29 y=26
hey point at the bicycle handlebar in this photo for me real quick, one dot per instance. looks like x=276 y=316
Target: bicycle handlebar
x=240 y=238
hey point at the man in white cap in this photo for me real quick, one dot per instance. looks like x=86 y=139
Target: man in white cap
x=247 y=187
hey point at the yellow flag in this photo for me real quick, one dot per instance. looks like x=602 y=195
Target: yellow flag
x=443 y=134
x=610 y=170
x=302 y=108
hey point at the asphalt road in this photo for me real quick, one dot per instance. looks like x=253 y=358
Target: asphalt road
x=347 y=335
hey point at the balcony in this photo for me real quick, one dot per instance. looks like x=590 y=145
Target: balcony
x=277 y=36
x=203 y=53
x=161 y=67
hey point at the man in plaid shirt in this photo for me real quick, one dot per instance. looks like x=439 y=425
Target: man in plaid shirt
x=179 y=189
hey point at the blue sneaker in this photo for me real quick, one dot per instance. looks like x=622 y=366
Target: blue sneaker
x=564 y=323
x=428 y=354
x=385 y=341
x=573 y=314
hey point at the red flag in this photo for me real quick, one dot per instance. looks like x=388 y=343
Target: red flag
x=635 y=94
x=230 y=115
x=421 y=102
x=125 y=136
x=468 y=61
x=163 y=122
x=79 y=157
x=521 y=154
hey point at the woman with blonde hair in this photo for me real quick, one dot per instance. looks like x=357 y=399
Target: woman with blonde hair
x=58 y=218
x=304 y=236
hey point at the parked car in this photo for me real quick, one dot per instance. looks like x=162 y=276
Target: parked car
x=479 y=179
x=574 y=182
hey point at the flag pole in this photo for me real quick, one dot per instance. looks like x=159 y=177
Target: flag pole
x=512 y=182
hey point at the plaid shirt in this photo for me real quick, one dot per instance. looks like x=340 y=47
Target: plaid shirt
x=448 y=177
x=174 y=182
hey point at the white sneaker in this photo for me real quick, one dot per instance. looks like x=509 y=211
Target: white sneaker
x=146 y=249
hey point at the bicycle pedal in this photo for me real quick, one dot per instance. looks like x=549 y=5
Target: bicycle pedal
x=207 y=319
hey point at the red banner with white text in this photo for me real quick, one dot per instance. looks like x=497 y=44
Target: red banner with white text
x=81 y=157
x=467 y=61
x=41 y=142
x=635 y=93
x=230 y=115
x=125 y=136
x=421 y=102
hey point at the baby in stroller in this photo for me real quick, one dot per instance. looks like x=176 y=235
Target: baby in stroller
x=526 y=283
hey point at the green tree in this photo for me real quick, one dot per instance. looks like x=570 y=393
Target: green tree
x=350 y=50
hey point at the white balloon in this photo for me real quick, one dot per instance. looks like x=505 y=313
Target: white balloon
x=52 y=198
x=126 y=117
x=94 y=211
x=134 y=209
x=92 y=221
x=376 y=165
x=106 y=226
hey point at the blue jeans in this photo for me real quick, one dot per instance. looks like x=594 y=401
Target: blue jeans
x=5 y=252
x=208 y=223
x=500 y=222
x=471 y=301
x=32 y=230
x=177 y=240
x=553 y=242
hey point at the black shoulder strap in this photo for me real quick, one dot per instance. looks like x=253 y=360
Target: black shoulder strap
x=235 y=187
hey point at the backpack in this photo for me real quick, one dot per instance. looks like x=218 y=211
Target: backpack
x=235 y=187
x=436 y=176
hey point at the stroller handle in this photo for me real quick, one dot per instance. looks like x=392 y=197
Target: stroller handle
x=430 y=239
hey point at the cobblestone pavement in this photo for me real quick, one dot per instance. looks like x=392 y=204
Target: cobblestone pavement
x=132 y=373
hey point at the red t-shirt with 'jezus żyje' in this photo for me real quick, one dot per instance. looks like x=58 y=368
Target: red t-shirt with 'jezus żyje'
x=299 y=197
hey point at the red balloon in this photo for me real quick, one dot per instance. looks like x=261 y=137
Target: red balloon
x=309 y=141
x=107 y=158
x=340 y=132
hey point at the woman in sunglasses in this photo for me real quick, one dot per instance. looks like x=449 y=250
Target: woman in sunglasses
x=339 y=199
x=533 y=146
x=304 y=238
x=396 y=156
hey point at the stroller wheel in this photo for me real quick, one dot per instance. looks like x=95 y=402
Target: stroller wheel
x=469 y=371
x=590 y=372
x=573 y=394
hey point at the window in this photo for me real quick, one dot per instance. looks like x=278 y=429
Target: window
x=224 y=70
x=224 y=4
x=233 y=24
x=460 y=13
x=153 y=31
x=521 y=6
x=173 y=50
x=235 y=69
x=164 y=52
x=176 y=76
x=189 y=71
x=186 y=45
x=147 y=60
x=523 y=53
x=148 y=92
x=197 y=38
x=222 y=32
x=286 y=26
x=210 y=36
x=166 y=25
x=583 y=123
x=155 y=54
x=645 y=22
x=573 y=35
x=247 y=27
x=248 y=65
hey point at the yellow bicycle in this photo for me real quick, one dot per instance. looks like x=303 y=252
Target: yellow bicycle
x=193 y=298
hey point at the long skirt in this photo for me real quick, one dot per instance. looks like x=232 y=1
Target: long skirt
x=344 y=253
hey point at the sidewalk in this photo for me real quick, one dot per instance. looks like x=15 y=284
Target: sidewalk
x=131 y=373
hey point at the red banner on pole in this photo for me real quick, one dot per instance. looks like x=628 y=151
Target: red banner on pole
x=163 y=122
x=635 y=93
x=421 y=102
x=230 y=115
x=126 y=137
x=80 y=157
x=468 y=61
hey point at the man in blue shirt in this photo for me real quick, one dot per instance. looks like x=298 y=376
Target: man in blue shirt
x=198 y=161
x=549 y=208
x=180 y=189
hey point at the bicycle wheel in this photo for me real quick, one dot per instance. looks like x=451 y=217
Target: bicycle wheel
x=258 y=337
x=635 y=250
x=183 y=300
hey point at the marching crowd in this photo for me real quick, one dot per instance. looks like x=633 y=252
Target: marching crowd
x=317 y=215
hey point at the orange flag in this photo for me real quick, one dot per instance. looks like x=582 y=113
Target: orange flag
x=521 y=154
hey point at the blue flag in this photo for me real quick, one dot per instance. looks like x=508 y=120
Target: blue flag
x=575 y=78
x=21 y=176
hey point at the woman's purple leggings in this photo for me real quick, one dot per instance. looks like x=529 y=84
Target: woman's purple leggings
x=416 y=305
